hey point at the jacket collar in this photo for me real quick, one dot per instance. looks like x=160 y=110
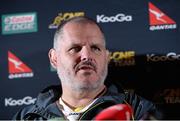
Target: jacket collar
x=46 y=101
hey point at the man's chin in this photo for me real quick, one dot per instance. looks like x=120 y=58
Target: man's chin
x=87 y=80
x=89 y=75
x=86 y=85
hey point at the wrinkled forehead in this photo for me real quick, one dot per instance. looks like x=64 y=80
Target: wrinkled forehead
x=83 y=33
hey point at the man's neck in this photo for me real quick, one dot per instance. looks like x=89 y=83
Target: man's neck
x=81 y=99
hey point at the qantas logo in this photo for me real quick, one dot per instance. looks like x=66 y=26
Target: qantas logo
x=17 y=69
x=159 y=20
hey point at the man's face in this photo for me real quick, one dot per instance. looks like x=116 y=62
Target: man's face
x=82 y=58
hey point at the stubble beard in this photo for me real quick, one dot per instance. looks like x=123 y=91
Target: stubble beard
x=67 y=79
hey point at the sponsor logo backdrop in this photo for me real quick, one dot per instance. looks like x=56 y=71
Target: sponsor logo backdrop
x=142 y=36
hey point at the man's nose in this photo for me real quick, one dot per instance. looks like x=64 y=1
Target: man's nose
x=86 y=54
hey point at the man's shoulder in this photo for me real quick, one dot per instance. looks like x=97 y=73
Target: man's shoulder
x=22 y=112
x=134 y=99
x=49 y=94
x=45 y=98
x=143 y=108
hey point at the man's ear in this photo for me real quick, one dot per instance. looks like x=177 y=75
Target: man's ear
x=53 y=58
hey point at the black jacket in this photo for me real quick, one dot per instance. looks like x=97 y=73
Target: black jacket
x=46 y=107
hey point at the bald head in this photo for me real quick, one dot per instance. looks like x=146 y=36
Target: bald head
x=81 y=20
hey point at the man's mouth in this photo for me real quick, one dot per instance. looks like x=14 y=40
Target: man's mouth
x=86 y=68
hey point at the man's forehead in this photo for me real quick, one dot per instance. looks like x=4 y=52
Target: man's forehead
x=82 y=35
x=84 y=42
x=82 y=31
x=72 y=25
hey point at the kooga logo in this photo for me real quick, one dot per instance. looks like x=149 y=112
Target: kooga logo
x=168 y=57
x=120 y=17
x=25 y=101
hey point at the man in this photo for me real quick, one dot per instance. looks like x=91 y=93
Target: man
x=81 y=59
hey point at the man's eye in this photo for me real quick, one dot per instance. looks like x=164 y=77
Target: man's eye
x=75 y=49
x=95 y=48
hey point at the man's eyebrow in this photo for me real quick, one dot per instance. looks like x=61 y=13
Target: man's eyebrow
x=75 y=44
x=98 y=44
